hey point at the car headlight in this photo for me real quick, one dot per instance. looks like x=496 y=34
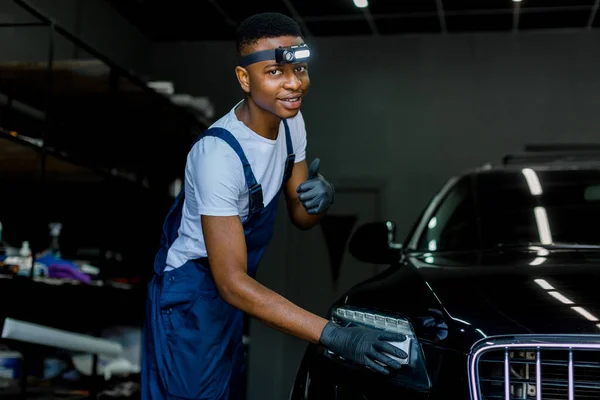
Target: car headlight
x=413 y=373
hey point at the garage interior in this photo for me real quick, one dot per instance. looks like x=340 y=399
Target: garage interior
x=100 y=101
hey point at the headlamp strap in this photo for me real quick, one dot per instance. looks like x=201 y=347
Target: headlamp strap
x=281 y=55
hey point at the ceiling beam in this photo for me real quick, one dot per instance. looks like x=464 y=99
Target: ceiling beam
x=297 y=17
x=593 y=14
x=500 y=11
x=441 y=13
x=228 y=20
x=516 y=16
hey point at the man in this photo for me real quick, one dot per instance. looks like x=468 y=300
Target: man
x=218 y=228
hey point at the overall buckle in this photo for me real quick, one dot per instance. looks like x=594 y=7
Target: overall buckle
x=256 y=198
x=289 y=166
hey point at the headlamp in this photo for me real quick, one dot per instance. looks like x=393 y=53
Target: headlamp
x=281 y=55
x=413 y=373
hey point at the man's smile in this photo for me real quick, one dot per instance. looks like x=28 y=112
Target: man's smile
x=292 y=101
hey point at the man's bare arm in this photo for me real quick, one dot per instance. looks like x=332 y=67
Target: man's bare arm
x=226 y=247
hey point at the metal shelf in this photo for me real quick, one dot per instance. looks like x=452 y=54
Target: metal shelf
x=96 y=109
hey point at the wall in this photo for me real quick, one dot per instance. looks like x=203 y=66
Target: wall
x=94 y=21
x=410 y=112
x=414 y=110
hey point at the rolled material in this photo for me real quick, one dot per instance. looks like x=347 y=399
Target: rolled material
x=22 y=107
x=39 y=334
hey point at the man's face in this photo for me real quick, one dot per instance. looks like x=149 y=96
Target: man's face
x=278 y=88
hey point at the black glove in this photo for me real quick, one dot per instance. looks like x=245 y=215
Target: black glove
x=316 y=194
x=364 y=346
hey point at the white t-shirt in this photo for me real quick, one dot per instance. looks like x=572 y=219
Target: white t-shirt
x=215 y=183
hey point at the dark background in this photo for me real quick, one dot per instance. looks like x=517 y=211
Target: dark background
x=402 y=97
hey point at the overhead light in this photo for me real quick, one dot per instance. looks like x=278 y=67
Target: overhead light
x=558 y=296
x=361 y=3
x=544 y=284
x=432 y=223
x=541 y=255
x=532 y=181
x=541 y=251
x=585 y=314
x=516 y=1
x=541 y=219
x=537 y=261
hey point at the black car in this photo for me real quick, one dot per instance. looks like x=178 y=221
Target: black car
x=497 y=287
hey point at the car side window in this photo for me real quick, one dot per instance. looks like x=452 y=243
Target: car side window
x=453 y=226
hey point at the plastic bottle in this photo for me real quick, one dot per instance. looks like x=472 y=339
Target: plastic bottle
x=26 y=258
x=55 y=228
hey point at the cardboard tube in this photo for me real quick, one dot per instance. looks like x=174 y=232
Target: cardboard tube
x=39 y=334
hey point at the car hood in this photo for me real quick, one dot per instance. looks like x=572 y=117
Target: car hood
x=516 y=292
x=473 y=295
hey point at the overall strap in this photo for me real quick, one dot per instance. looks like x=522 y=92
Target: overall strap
x=254 y=188
x=291 y=158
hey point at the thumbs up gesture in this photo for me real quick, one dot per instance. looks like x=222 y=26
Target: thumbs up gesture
x=316 y=194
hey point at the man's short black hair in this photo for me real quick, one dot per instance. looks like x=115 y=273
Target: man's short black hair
x=264 y=25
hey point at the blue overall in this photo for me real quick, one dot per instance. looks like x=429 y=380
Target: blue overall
x=192 y=337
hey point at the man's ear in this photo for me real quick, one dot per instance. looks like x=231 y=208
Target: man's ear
x=243 y=78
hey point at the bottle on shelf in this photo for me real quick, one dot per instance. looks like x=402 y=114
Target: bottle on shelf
x=25 y=258
x=55 y=228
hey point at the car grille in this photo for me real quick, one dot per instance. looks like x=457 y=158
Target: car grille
x=536 y=367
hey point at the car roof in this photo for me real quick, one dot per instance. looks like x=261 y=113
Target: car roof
x=550 y=157
x=487 y=168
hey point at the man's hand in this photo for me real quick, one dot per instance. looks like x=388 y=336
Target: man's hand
x=316 y=194
x=297 y=211
x=364 y=346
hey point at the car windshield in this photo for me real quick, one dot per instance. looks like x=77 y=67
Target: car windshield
x=517 y=208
